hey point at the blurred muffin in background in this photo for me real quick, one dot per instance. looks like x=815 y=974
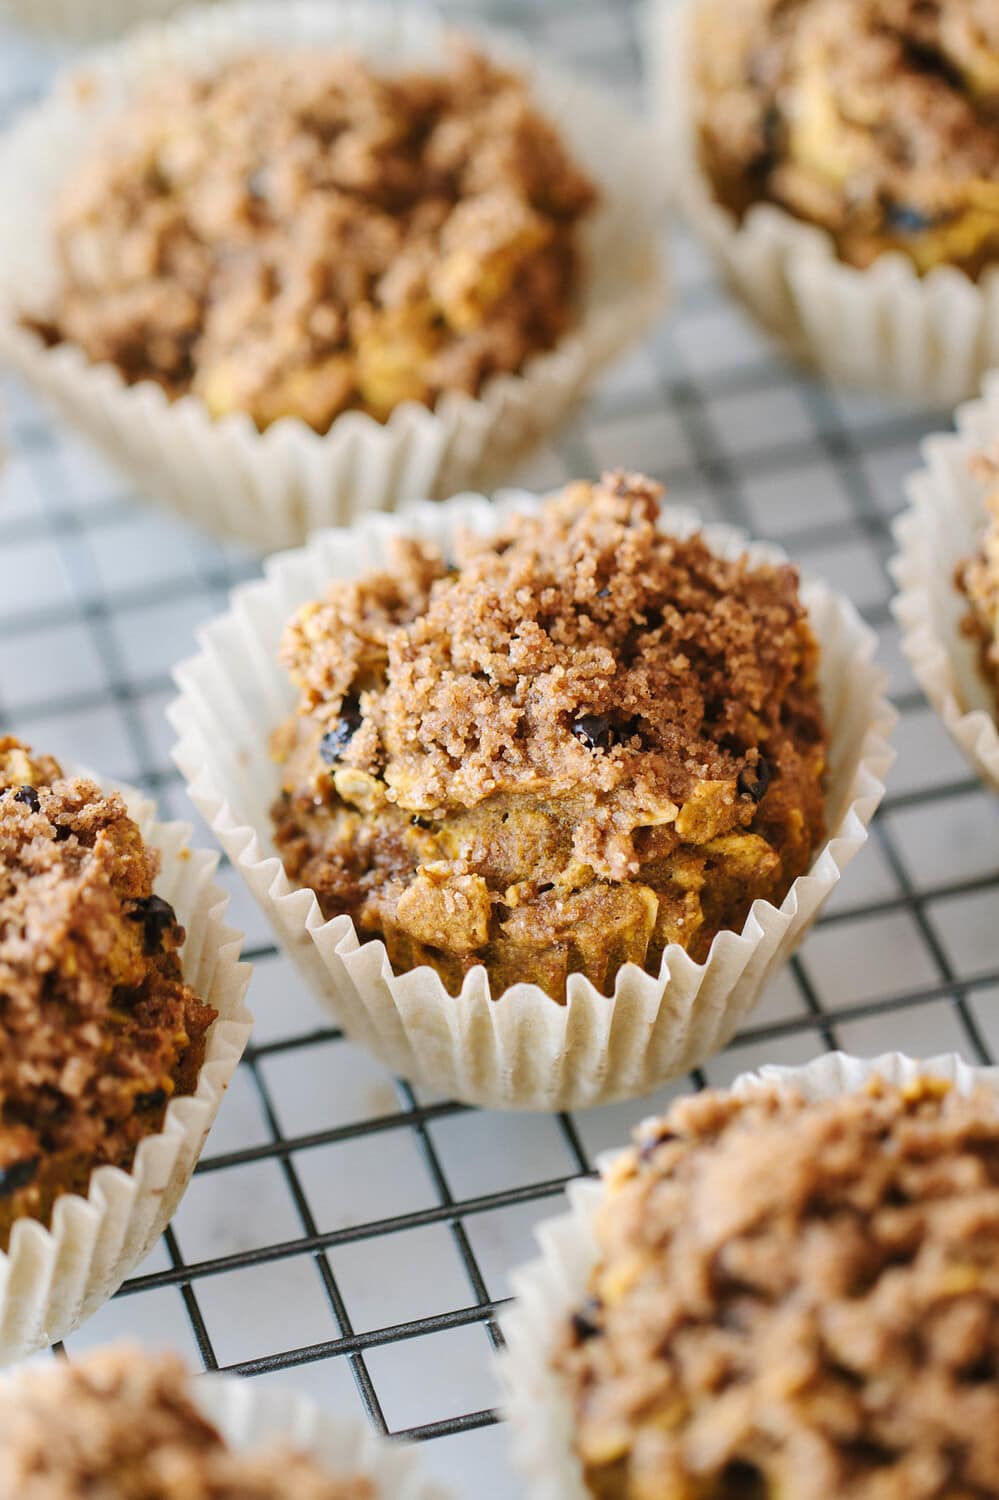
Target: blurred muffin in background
x=877 y=120
x=301 y=234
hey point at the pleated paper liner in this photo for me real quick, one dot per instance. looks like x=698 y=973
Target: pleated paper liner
x=519 y=1049
x=550 y=1288
x=53 y=1279
x=271 y=489
x=941 y=528
x=926 y=338
x=249 y=1414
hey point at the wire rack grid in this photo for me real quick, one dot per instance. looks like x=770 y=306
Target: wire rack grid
x=344 y=1232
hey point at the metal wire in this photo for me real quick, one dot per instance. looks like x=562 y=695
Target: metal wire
x=680 y=410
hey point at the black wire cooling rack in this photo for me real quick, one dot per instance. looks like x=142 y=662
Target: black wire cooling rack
x=344 y=1232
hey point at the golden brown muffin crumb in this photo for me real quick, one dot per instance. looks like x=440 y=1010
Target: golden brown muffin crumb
x=796 y=1299
x=876 y=119
x=121 y=1425
x=97 y=1028
x=296 y=235
x=570 y=744
x=978 y=579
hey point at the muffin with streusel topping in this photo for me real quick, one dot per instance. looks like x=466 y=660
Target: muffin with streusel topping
x=98 y=1028
x=124 y=1425
x=795 y=1298
x=559 y=750
x=877 y=120
x=298 y=233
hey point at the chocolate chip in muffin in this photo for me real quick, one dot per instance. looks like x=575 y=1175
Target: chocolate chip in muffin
x=151 y=1099
x=595 y=731
x=585 y=1322
x=754 y=781
x=29 y=797
x=157 y=917
x=19 y=1174
x=335 y=741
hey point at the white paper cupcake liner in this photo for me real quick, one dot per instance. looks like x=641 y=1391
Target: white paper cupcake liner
x=550 y=1288
x=941 y=528
x=928 y=338
x=83 y=20
x=519 y=1049
x=250 y=1415
x=272 y=488
x=52 y=1279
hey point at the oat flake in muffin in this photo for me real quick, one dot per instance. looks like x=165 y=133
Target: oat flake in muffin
x=978 y=578
x=557 y=751
x=122 y=1425
x=97 y=1027
x=876 y=119
x=796 y=1301
x=295 y=234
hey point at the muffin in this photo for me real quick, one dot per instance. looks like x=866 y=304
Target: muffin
x=413 y=255
x=877 y=120
x=947 y=574
x=795 y=1297
x=412 y=699
x=124 y=1425
x=840 y=158
x=978 y=580
x=295 y=234
x=99 y=1029
x=558 y=749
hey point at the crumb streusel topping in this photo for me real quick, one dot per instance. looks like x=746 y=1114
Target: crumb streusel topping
x=796 y=1300
x=295 y=234
x=122 y=1425
x=572 y=743
x=97 y=1028
x=876 y=119
x=978 y=578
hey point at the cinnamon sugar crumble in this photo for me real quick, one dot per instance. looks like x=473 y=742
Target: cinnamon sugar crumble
x=796 y=1299
x=978 y=579
x=876 y=119
x=97 y=1028
x=122 y=1425
x=294 y=234
x=570 y=744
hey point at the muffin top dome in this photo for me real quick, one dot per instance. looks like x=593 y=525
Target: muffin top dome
x=576 y=723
